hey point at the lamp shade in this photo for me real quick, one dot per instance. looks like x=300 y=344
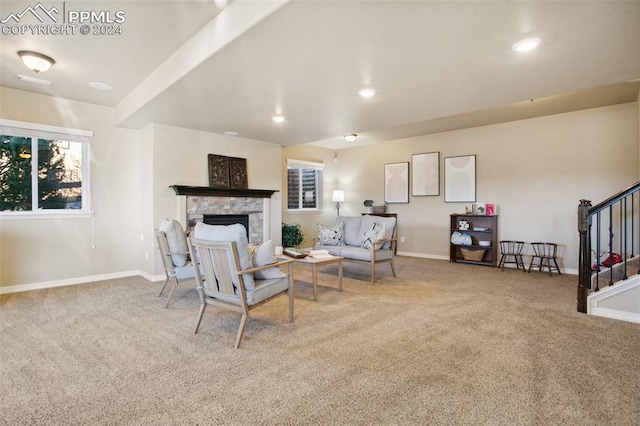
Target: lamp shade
x=338 y=195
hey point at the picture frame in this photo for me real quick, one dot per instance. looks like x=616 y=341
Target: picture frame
x=218 y=171
x=396 y=183
x=425 y=174
x=238 y=173
x=460 y=179
x=490 y=209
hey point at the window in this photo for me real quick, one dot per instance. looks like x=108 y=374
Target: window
x=44 y=170
x=304 y=185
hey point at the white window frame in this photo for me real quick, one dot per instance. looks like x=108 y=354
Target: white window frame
x=43 y=131
x=300 y=164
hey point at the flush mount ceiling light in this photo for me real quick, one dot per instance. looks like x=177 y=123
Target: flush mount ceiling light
x=526 y=45
x=367 y=93
x=350 y=138
x=278 y=118
x=231 y=133
x=37 y=62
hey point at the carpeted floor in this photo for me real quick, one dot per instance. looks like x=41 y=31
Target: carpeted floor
x=441 y=344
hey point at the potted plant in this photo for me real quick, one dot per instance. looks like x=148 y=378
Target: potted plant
x=292 y=235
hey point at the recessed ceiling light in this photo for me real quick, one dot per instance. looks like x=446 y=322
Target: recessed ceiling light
x=367 y=93
x=100 y=86
x=526 y=45
x=231 y=133
x=221 y=4
x=278 y=118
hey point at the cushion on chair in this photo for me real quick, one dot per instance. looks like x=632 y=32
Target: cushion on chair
x=265 y=255
x=351 y=227
x=236 y=233
x=263 y=290
x=332 y=235
x=375 y=233
x=176 y=240
x=184 y=272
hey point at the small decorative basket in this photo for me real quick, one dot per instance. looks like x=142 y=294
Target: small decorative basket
x=475 y=255
x=378 y=209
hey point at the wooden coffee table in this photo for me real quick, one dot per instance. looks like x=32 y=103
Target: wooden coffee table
x=315 y=263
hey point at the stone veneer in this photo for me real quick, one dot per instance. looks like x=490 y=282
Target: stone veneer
x=198 y=206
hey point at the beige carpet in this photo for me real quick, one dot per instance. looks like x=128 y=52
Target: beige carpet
x=441 y=344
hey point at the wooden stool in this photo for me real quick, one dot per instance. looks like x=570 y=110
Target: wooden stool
x=512 y=249
x=546 y=253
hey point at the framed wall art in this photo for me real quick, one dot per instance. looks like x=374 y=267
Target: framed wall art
x=218 y=171
x=425 y=174
x=396 y=182
x=238 y=173
x=460 y=179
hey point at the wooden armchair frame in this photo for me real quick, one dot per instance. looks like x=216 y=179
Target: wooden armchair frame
x=221 y=282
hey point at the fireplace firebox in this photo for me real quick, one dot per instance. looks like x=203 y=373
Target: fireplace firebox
x=227 y=219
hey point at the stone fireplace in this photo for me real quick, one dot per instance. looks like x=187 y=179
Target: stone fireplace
x=196 y=202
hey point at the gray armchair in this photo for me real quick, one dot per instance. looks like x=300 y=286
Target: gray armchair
x=172 y=244
x=226 y=278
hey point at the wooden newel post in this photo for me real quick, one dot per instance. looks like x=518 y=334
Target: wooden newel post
x=584 y=261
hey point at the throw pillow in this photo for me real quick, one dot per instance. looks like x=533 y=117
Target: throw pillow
x=375 y=233
x=332 y=235
x=176 y=240
x=265 y=255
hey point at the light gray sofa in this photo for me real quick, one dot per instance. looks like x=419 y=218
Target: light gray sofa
x=354 y=231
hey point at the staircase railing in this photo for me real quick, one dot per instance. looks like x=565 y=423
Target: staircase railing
x=617 y=232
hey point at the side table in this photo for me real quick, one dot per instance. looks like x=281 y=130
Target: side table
x=317 y=262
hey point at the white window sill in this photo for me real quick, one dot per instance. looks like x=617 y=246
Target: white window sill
x=63 y=214
x=306 y=211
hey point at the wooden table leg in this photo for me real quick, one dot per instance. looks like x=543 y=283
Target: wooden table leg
x=292 y=290
x=315 y=281
x=340 y=276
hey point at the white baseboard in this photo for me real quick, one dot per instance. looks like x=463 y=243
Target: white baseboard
x=422 y=255
x=78 y=280
x=438 y=257
x=616 y=314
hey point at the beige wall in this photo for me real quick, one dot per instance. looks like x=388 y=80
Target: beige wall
x=535 y=171
x=179 y=157
x=309 y=220
x=131 y=172
x=44 y=250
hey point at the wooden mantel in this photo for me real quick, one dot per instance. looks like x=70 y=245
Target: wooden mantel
x=222 y=192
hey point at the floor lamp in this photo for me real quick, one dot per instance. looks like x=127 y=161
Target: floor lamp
x=338 y=195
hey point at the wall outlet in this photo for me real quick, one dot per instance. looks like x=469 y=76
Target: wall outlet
x=146 y=255
x=402 y=239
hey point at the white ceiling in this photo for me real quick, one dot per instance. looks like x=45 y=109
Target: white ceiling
x=436 y=65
